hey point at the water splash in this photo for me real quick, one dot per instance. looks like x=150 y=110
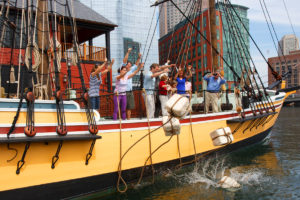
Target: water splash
x=210 y=171
x=251 y=177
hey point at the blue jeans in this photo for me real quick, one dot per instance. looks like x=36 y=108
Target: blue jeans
x=95 y=101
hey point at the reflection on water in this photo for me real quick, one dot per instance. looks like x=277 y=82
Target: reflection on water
x=264 y=171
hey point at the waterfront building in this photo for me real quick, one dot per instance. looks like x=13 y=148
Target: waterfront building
x=288 y=43
x=199 y=52
x=283 y=64
x=230 y=43
x=134 y=20
x=170 y=16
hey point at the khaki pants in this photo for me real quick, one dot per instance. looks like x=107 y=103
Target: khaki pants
x=150 y=104
x=163 y=100
x=213 y=99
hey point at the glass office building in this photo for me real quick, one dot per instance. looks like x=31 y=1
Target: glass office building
x=133 y=19
x=230 y=53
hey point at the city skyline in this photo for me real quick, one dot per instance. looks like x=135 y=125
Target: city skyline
x=258 y=28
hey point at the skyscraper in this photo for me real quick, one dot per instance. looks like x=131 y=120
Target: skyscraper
x=133 y=19
x=170 y=16
x=288 y=43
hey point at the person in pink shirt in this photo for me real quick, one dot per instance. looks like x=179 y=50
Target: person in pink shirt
x=121 y=86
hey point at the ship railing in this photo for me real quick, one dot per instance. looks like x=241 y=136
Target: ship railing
x=87 y=53
x=197 y=102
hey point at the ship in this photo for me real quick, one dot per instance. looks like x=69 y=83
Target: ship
x=61 y=148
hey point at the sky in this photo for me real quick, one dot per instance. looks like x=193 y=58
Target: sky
x=259 y=29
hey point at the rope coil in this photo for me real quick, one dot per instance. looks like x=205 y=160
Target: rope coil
x=36 y=55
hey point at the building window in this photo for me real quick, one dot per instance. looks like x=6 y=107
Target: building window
x=283 y=70
x=205 y=62
x=189 y=55
x=204 y=49
x=204 y=33
x=194 y=52
x=199 y=51
x=218 y=34
x=199 y=38
x=193 y=41
x=217 y=20
x=204 y=21
x=199 y=76
x=199 y=64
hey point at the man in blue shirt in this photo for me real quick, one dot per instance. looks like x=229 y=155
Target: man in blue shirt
x=214 y=83
x=149 y=85
x=129 y=94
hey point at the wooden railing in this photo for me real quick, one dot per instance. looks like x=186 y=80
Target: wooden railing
x=88 y=53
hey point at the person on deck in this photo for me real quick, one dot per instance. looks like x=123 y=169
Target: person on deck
x=214 y=83
x=173 y=88
x=181 y=78
x=149 y=85
x=95 y=81
x=121 y=86
x=188 y=89
x=163 y=94
x=130 y=69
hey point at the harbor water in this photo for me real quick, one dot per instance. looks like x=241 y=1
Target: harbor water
x=265 y=171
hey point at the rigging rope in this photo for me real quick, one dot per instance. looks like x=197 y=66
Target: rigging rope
x=274 y=73
x=149 y=135
x=120 y=178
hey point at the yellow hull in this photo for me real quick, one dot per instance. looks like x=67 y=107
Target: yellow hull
x=105 y=160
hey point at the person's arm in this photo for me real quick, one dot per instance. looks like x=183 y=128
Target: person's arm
x=167 y=66
x=159 y=73
x=98 y=70
x=206 y=77
x=136 y=71
x=223 y=81
x=163 y=85
x=109 y=67
x=138 y=60
x=121 y=75
x=190 y=72
x=125 y=59
x=176 y=75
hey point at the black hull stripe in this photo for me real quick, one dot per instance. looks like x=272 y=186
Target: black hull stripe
x=76 y=187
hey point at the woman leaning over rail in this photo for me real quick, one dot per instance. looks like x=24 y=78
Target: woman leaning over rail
x=121 y=86
x=96 y=80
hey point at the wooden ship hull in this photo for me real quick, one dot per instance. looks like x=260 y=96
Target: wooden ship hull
x=120 y=154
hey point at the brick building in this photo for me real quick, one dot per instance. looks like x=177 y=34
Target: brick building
x=199 y=51
x=284 y=64
x=185 y=42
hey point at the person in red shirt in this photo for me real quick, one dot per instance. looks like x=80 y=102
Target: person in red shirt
x=163 y=94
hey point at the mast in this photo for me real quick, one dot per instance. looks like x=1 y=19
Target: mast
x=213 y=34
x=43 y=43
